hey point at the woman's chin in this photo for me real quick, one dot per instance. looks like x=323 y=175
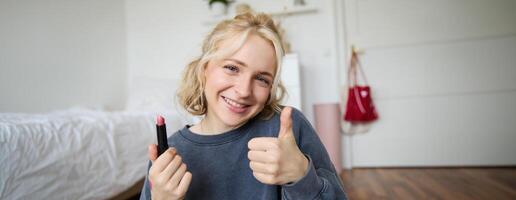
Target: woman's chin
x=237 y=120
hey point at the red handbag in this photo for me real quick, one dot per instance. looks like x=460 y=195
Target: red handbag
x=359 y=107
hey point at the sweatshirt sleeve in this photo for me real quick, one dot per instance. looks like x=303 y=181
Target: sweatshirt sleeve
x=321 y=181
x=145 y=193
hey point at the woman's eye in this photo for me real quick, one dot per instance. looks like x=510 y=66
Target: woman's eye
x=231 y=68
x=263 y=80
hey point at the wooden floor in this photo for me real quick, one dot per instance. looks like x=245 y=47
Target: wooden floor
x=430 y=183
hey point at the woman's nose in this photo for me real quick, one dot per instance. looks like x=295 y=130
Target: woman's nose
x=243 y=88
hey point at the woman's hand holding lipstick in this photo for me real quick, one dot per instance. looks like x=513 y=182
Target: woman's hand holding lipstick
x=168 y=175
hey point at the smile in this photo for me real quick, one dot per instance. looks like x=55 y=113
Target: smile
x=234 y=103
x=235 y=106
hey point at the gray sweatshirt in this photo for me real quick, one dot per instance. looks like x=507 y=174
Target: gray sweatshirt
x=220 y=167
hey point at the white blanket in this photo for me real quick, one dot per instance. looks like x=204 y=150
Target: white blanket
x=75 y=154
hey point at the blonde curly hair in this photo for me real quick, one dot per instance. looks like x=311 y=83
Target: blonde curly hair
x=191 y=89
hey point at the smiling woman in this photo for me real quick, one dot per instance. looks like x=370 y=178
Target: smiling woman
x=245 y=138
x=226 y=39
x=237 y=91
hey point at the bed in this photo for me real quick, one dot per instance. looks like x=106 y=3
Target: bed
x=81 y=153
x=76 y=153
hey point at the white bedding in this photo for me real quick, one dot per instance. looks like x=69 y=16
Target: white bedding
x=75 y=154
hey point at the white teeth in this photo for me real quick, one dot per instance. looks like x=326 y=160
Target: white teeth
x=233 y=103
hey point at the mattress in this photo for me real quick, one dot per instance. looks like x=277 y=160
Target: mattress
x=75 y=154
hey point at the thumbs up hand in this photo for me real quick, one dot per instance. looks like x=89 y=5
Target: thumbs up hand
x=277 y=161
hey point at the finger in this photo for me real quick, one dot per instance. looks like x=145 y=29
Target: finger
x=185 y=183
x=176 y=178
x=172 y=167
x=263 y=168
x=286 y=121
x=263 y=143
x=152 y=152
x=261 y=156
x=264 y=178
x=163 y=161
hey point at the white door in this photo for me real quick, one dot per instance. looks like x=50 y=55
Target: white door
x=443 y=74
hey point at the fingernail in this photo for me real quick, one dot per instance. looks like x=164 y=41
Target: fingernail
x=172 y=151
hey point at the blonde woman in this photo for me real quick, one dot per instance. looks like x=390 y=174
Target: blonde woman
x=246 y=146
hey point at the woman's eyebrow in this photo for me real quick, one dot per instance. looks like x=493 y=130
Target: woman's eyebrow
x=237 y=61
x=266 y=74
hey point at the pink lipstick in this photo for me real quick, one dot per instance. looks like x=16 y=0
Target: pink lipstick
x=161 y=130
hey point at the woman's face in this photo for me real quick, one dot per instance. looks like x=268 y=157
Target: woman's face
x=238 y=86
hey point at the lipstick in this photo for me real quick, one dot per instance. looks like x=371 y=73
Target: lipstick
x=161 y=130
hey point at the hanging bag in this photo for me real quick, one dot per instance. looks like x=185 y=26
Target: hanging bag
x=359 y=106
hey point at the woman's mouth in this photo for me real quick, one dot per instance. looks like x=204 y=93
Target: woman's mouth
x=235 y=106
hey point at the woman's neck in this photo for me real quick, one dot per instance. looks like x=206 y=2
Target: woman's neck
x=209 y=126
x=212 y=127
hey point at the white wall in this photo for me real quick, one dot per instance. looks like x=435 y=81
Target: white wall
x=443 y=72
x=58 y=54
x=163 y=36
x=444 y=80
x=62 y=53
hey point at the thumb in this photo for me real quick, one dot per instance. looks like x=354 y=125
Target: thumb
x=152 y=152
x=285 y=122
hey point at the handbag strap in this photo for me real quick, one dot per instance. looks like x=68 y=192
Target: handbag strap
x=355 y=65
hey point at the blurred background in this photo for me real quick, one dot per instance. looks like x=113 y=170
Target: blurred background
x=442 y=73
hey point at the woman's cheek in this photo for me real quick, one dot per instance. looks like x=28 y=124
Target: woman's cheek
x=263 y=94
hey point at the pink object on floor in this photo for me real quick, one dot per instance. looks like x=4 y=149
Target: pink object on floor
x=327 y=123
